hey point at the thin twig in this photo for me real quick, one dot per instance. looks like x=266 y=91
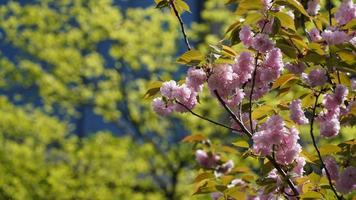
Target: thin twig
x=252 y=88
x=207 y=119
x=316 y=147
x=171 y=2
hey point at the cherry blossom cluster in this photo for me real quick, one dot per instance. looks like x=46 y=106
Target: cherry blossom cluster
x=275 y=139
x=329 y=120
x=345 y=180
x=213 y=161
x=185 y=94
x=334 y=35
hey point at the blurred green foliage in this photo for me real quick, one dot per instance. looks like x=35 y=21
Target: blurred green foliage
x=77 y=55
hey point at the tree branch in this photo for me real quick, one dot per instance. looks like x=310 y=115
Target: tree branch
x=171 y=2
x=207 y=119
x=316 y=146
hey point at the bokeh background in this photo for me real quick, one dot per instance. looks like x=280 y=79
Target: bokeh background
x=73 y=120
x=74 y=123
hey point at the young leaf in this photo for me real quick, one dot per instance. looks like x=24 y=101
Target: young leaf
x=282 y=80
x=153 y=89
x=191 y=57
x=294 y=4
x=286 y=20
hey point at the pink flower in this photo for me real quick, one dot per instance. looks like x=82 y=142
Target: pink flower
x=195 y=78
x=298 y=169
x=313 y=7
x=222 y=79
x=334 y=37
x=246 y=36
x=316 y=77
x=243 y=68
x=161 y=108
x=168 y=88
x=332 y=167
x=206 y=160
x=189 y=101
x=346 y=12
x=262 y=43
x=314 y=35
x=340 y=93
x=296 y=68
x=273 y=135
x=347 y=180
x=272 y=66
x=235 y=98
x=224 y=168
x=329 y=127
x=266 y=25
x=353 y=84
x=296 y=112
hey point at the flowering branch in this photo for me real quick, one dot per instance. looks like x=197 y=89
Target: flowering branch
x=249 y=134
x=171 y=2
x=316 y=147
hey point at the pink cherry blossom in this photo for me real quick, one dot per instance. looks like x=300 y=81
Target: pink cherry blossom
x=243 y=68
x=222 y=79
x=340 y=93
x=313 y=7
x=316 y=77
x=246 y=36
x=161 y=108
x=168 y=88
x=272 y=66
x=346 y=12
x=262 y=43
x=353 y=84
x=347 y=180
x=334 y=37
x=332 y=167
x=195 y=78
x=296 y=68
x=298 y=169
x=236 y=98
x=329 y=127
x=206 y=160
x=314 y=35
x=296 y=112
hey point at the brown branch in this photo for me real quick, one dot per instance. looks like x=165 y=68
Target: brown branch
x=207 y=119
x=171 y=3
x=316 y=146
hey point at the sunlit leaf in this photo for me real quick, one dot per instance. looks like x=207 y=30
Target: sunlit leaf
x=191 y=57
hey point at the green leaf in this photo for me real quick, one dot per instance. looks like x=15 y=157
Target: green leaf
x=152 y=89
x=247 y=5
x=236 y=194
x=286 y=20
x=293 y=4
x=194 y=138
x=308 y=157
x=203 y=176
x=191 y=57
x=181 y=6
x=350 y=25
x=282 y=80
x=329 y=149
x=262 y=111
x=347 y=57
x=311 y=195
x=241 y=143
x=316 y=47
x=161 y=3
x=287 y=49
